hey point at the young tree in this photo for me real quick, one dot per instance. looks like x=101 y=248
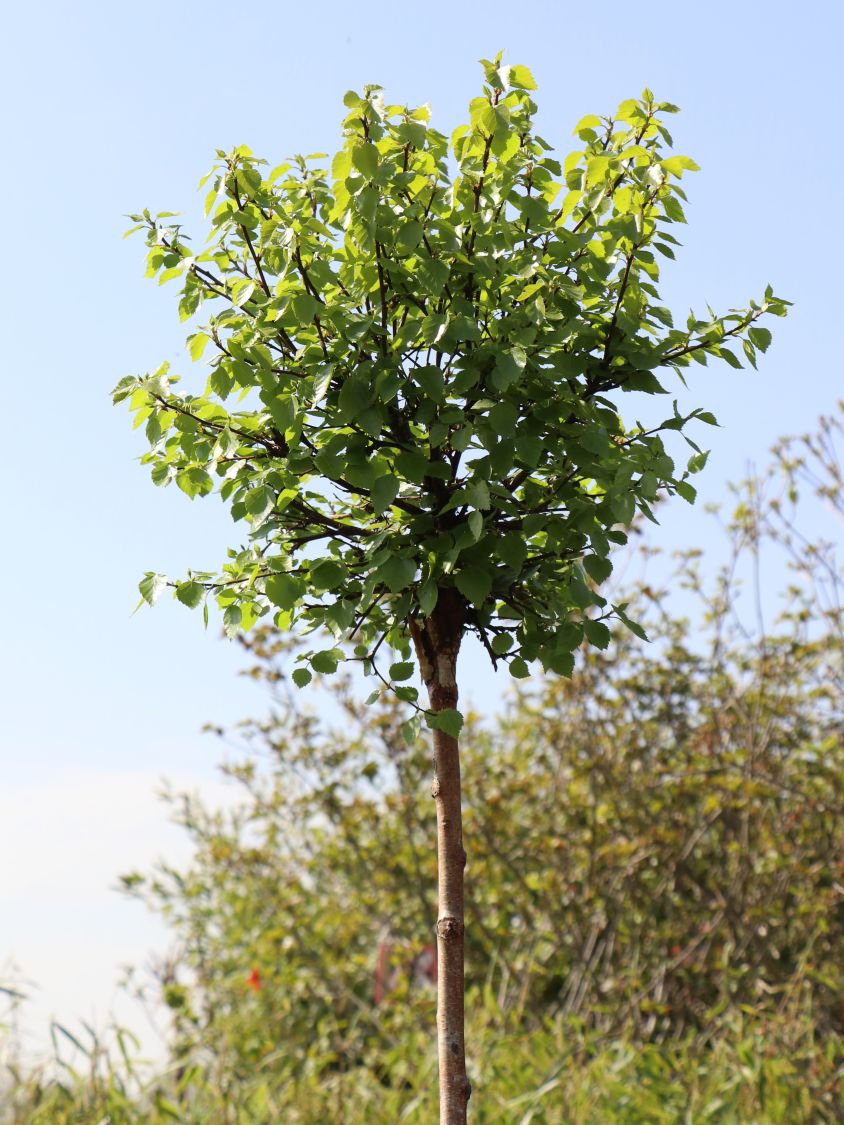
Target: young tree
x=412 y=403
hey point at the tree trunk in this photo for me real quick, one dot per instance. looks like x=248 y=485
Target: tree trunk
x=437 y=641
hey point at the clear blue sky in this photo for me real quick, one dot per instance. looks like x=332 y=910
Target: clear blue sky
x=110 y=108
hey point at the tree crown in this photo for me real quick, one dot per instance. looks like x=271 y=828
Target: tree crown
x=416 y=361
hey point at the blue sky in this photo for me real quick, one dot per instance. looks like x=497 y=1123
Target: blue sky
x=113 y=108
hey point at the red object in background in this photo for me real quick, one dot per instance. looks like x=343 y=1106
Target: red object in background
x=254 y=980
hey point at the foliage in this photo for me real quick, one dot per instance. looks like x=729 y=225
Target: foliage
x=424 y=349
x=774 y=1073
x=656 y=842
x=657 y=931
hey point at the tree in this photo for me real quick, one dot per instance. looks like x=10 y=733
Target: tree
x=424 y=349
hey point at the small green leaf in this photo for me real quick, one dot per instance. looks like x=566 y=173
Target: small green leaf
x=305 y=307
x=677 y=165
x=598 y=569
x=589 y=122
x=474 y=584
x=409 y=235
x=732 y=360
x=430 y=379
x=232 y=617
x=384 y=490
x=151 y=587
x=512 y=550
x=521 y=77
x=428 y=594
x=365 y=159
x=194 y=481
x=190 y=593
x=634 y=627
x=397 y=573
x=301 y=677
x=519 y=669
x=327 y=574
x=597 y=633
x=697 y=462
x=449 y=721
x=196 y=344
x=325 y=662
x=410 y=730
x=284 y=590
x=761 y=338
x=403 y=670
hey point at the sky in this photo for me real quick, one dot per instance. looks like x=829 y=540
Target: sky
x=111 y=108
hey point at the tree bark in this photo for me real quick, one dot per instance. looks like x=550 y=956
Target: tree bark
x=437 y=640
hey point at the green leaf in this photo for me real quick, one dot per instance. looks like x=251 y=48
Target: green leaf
x=597 y=633
x=232 y=617
x=676 y=165
x=521 y=77
x=196 y=344
x=409 y=235
x=687 y=491
x=365 y=159
x=449 y=721
x=410 y=730
x=397 y=573
x=403 y=670
x=384 y=490
x=588 y=123
x=474 y=584
x=760 y=337
x=634 y=627
x=327 y=574
x=151 y=587
x=598 y=569
x=283 y=412
x=643 y=381
x=302 y=677
x=519 y=669
x=430 y=379
x=428 y=594
x=508 y=368
x=194 y=481
x=356 y=394
x=284 y=590
x=326 y=661
x=512 y=550
x=698 y=461
x=190 y=593
x=305 y=307
x=258 y=501
x=732 y=360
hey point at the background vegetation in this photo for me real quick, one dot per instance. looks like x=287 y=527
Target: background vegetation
x=655 y=891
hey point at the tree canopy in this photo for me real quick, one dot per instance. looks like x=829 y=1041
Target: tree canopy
x=420 y=363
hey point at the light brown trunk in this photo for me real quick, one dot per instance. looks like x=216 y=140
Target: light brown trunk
x=437 y=641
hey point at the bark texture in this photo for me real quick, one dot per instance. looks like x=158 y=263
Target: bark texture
x=437 y=640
